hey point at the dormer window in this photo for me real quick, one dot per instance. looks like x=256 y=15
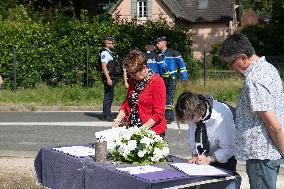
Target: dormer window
x=141 y=9
x=202 y=4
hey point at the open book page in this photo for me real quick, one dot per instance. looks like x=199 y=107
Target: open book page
x=198 y=170
x=140 y=169
x=79 y=151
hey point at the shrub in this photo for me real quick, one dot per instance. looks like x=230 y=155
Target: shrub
x=55 y=49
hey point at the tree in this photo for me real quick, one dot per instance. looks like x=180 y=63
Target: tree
x=92 y=7
x=5 y=5
x=277 y=15
x=262 y=7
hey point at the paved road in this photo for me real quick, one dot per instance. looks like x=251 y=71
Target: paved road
x=24 y=133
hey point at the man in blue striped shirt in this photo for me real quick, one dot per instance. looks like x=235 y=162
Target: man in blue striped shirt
x=154 y=61
x=174 y=61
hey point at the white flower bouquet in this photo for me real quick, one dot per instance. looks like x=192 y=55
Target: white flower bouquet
x=139 y=146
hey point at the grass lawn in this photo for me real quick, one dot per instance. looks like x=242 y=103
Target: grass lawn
x=222 y=89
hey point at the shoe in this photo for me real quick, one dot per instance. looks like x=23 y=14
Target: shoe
x=169 y=121
x=108 y=119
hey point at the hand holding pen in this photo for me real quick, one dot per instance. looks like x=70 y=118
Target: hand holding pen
x=202 y=159
x=205 y=160
x=196 y=157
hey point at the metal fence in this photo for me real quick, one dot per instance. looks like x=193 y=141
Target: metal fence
x=81 y=62
x=47 y=65
x=211 y=72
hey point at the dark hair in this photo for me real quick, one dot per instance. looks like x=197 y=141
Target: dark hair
x=162 y=38
x=234 y=45
x=135 y=59
x=109 y=38
x=149 y=47
x=189 y=104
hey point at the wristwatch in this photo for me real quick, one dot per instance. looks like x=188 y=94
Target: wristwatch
x=212 y=158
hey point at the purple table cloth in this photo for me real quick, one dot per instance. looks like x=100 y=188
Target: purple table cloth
x=57 y=170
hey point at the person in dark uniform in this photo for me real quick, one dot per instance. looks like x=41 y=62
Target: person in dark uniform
x=174 y=61
x=154 y=61
x=110 y=73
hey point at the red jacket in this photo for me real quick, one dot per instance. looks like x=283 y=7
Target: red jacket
x=151 y=103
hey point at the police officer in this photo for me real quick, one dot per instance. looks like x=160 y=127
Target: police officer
x=110 y=73
x=173 y=60
x=154 y=61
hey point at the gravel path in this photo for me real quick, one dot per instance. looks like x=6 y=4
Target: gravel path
x=18 y=173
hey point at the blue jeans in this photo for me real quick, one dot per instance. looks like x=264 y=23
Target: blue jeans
x=108 y=98
x=262 y=173
x=170 y=84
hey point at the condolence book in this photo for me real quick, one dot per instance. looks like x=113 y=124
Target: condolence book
x=198 y=170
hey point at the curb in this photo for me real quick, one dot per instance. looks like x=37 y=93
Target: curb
x=31 y=108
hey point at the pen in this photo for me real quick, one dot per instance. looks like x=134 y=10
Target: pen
x=197 y=144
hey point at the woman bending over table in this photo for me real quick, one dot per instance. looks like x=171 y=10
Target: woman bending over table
x=144 y=105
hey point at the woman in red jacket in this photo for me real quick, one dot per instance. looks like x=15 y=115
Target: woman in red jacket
x=144 y=105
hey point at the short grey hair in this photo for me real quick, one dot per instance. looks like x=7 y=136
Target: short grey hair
x=234 y=45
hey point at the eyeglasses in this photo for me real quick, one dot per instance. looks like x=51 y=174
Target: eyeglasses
x=133 y=73
x=111 y=43
x=230 y=64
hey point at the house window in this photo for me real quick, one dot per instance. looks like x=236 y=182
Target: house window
x=142 y=9
x=202 y=4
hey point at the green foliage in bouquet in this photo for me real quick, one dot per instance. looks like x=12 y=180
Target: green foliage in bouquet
x=139 y=146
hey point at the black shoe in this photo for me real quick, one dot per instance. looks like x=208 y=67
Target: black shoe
x=108 y=119
x=169 y=121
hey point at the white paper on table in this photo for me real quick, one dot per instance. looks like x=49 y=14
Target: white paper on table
x=140 y=169
x=79 y=151
x=109 y=135
x=198 y=170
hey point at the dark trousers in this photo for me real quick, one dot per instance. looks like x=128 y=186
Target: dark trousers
x=231 y=164
x=108 y=97
x=230 y=184
x=170 y=84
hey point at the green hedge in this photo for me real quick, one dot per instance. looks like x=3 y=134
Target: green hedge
x=55 y=49
x=267 y=39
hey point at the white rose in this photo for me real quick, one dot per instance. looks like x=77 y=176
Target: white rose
x=141 y=153
x=165 y=151
x=145 y=140
x=132 y=144
x=111 y=146
x=127 y=135
x=123 y=150
x=158 y=154
x=155 y=158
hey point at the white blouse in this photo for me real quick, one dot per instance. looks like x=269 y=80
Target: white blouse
x=220 y=131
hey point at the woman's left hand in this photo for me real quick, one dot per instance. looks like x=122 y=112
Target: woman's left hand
x=149 y=123
x=116 y=123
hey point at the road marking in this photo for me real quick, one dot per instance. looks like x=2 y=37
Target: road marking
x=68 y=111
x=79 y=124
